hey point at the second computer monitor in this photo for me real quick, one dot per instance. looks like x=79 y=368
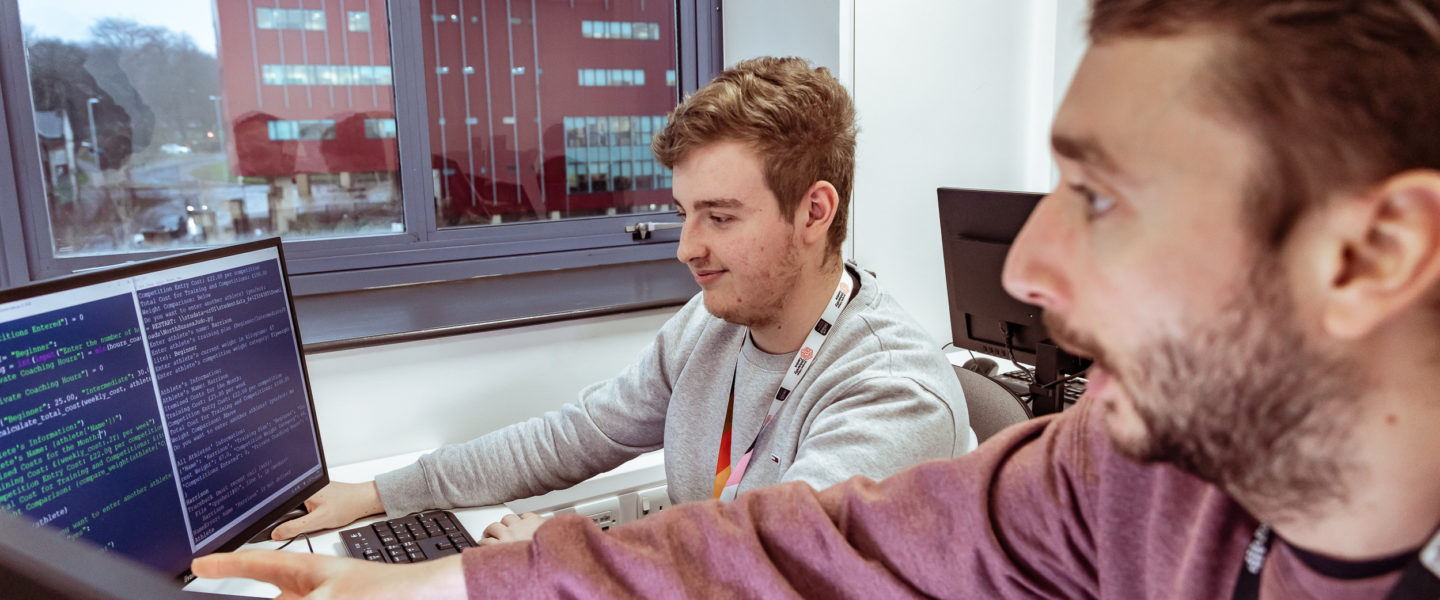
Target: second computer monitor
x=976 y=228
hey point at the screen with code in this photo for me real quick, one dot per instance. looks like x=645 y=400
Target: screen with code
x=156 y=414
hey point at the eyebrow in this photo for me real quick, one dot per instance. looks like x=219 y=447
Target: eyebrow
x=1084 y=149
x=726 y=203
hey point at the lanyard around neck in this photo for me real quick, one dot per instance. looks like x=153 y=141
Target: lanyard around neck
x=1418 y=580
x=724 y=472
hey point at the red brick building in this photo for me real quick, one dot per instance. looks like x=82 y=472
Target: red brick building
x=537 y=108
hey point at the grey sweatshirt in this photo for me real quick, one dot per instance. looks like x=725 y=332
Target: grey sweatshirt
x=879 y=397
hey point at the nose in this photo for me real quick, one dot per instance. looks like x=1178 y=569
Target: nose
x=691 y=246
x=1034 y=273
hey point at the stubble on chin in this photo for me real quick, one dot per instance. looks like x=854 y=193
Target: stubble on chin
x=1245 y=401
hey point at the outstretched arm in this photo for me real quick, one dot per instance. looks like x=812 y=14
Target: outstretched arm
x=317 y=577
x=1003 y=521
x=1007 y=520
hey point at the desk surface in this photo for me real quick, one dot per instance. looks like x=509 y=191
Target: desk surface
x=647 y=468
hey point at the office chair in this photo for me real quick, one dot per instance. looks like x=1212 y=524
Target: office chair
x=992 y=406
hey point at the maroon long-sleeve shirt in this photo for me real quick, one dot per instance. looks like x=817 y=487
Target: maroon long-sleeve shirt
x=1046 y=509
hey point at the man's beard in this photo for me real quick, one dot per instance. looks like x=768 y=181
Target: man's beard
x=1246 y=401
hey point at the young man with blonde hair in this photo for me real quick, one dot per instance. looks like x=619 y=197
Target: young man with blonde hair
x=785 y=347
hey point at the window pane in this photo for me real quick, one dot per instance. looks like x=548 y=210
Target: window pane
x=358 y=20
x=553 y=139
x=273 y=74
x=159 y=141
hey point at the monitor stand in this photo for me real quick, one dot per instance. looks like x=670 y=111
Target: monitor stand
x=1051 y=365
x=264 y=534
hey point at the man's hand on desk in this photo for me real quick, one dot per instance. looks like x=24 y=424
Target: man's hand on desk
x=335 y=505
x=316 y=576
x=512 y=528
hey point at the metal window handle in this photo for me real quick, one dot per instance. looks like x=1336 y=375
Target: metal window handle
x=641 y=231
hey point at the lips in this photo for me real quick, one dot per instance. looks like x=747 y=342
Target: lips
x=705 y=278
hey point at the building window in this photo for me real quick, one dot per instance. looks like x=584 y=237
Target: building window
x=670 y=77
x=619 y=30
x=290 y=18
x=325 y=75
x=611 y=77
x=357 y=20
x=309 y=129
x=612 y=154
x=380 y=128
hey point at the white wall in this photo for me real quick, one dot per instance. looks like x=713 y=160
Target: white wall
x=809 y=29
x=944 y=100
x=385 y=400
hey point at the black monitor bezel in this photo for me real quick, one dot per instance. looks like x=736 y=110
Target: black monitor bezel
x=133 y=269
x=982 y=219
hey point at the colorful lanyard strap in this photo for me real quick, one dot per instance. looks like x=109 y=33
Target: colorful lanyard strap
x=727 y=478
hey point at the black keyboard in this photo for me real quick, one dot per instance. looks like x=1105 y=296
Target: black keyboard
x=412 y=538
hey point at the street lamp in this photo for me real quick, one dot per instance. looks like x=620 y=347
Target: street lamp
x=219 y=123
x=94 y=139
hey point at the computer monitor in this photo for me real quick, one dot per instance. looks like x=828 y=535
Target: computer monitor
x=159 y=410
x=976 y=229
x=39 y=562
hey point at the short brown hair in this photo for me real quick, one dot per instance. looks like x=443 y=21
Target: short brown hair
x=798 y=119
x=1340 y=93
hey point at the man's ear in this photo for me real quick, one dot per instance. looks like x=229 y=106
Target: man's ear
x=1387 y=261
x=816 y=211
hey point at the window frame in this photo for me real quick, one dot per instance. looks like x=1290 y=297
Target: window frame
x=349 y=267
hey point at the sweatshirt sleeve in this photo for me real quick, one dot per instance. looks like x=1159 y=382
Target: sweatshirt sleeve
x=612 y=422
x=1003 y=521
x=879 y=427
